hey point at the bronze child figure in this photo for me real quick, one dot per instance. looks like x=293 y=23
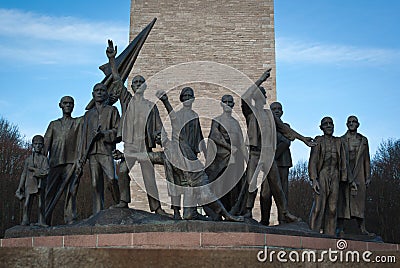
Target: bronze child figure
x=33 y=182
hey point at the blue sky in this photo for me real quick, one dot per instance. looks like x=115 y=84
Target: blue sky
x=334 y=58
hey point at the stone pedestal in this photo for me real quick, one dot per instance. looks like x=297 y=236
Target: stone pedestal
x=134 y=238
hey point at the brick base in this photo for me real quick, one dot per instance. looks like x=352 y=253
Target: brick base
x=171 y=249
x=191 y=240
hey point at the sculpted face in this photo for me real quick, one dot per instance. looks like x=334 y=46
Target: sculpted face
x=37 y=144
x=100 y=93
x=352 y=123
x=327 y=126
x=112 y=98
x=67 y=105
x=138 y=84
x=187 y=96
x=227 y=103
x=276 y=108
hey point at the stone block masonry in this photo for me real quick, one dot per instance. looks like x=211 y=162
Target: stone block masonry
x=239 y=34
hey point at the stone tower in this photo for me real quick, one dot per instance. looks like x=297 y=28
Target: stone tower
x=239 y=34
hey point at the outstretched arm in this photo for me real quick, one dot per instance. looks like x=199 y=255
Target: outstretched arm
x=263 y=77
x=290 y=133
x=162 y=95
x=111 y=53
x=253 y=89
x=175 y=123
x=117 y=90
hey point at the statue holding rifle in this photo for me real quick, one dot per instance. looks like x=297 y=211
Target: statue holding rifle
x=99 y=137
x=61 y=145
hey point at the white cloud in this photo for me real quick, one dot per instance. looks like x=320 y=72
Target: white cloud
x=35 y=38
x=294 y=51
x=32 y=25
x=47 y=54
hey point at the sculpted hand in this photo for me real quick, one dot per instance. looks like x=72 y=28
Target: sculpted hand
x=111 y=51
x=354 y=186
x=266 y=74
x=162 y=95
x=20 y=193
x=316 y=187
x=79 y=167
x=32 y=169
x=97 y=133
x=117 y=154
x=157 y=138
x=353 y=189
x=310 y=142
x=20 y=190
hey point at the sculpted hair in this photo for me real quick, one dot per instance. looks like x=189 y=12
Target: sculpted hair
x=37 y=138
x=186 y=90
x=99 y=85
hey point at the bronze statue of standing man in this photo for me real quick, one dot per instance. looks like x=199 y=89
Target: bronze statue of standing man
x=230 y=154
x=351 y=203
x=100 y=128
x=283 y=157
x=190 y=132
x=326 y=167
x=140 y=126
x=61 y=145
x=261 y=130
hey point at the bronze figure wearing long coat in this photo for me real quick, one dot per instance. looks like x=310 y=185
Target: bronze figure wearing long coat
x=228 y=165
x=34 y=180
x=140 y=124
x=61 y=140
x=61 y=143
x=359 y=171
x=33 y=183
x=130 y=131
x=191 y=129
x=105 y=119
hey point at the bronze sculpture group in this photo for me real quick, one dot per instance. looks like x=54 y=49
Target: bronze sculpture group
x=339 y=168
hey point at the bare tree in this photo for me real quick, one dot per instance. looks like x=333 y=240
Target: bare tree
x=300 y=191
x=13 y=150
x=383 y=206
